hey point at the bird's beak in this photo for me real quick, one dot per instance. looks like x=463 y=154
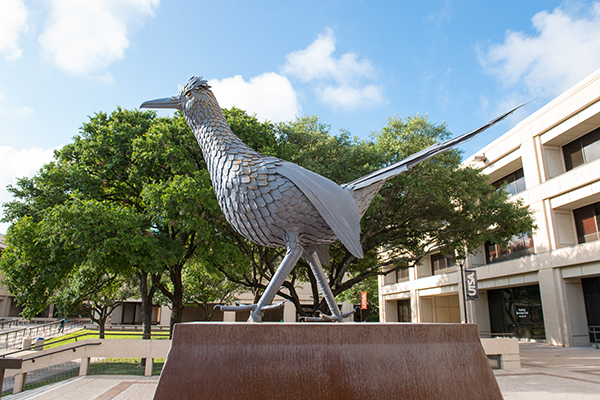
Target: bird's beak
x=167 y=102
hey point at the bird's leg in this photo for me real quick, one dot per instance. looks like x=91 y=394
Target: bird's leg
x=294 y=251
x=311 y=256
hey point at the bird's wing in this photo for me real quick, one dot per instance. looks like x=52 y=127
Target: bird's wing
x=336 y=205
x=386 y=173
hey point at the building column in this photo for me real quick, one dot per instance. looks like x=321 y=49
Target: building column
x=346 y=307
x=482 y=310
x=415 y=300
x=577 y=315
x=228 y=316
x=84 y=366
x=289 y=312
x=19 y=382
x=5 y=306
x=149 y=366
x=555 y=307
x=382 y=313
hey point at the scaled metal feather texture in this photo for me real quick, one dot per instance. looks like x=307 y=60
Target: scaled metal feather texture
x=280 y=204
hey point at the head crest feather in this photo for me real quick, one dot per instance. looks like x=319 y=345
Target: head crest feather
x=195 y=82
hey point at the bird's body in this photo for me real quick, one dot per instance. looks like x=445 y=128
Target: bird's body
x=256 y=196
x=276 y=203
x=260 y=203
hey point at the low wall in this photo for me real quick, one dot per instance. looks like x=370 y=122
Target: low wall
x=506 y=348
x=86 y=349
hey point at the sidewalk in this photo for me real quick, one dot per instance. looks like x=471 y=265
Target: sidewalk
x=547 y=373
x=553 y=373
x=117 y=387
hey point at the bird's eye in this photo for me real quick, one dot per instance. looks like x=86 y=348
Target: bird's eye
x=188 y=94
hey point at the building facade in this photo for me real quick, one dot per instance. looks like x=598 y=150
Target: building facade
x=546 y=284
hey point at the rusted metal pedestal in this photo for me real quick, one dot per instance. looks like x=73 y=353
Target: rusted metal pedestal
x=326 y=361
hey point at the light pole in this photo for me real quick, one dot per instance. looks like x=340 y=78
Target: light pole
x=464 y=291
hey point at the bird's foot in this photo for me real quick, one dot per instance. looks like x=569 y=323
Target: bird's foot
x=256 y=315
x=238 y=307
x=329 y=318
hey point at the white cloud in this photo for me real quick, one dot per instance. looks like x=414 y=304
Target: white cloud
x=345 y=96
x=84 y=37
x=270 y=96
x=13 y=22
x=317 y=64
x=565 y=50
x=17 y=164
x=10 y=110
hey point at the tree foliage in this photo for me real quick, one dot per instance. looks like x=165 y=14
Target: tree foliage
x=131 y=196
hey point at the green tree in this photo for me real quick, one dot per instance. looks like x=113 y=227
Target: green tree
x=437 y=205
x=93 y=295
x=130 y=195
x=205 y=287
x=128 y=162
x=151 y=171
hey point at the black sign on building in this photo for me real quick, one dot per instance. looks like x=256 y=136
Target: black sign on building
x=472 y=291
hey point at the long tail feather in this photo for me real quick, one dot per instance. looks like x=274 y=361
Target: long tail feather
x=414 y=159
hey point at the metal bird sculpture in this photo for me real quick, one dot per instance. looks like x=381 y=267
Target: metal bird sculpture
x=276 y=203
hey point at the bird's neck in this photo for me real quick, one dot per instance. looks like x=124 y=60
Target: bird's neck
x=215 y=137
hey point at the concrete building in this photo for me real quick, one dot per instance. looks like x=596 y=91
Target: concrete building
x=546 y=284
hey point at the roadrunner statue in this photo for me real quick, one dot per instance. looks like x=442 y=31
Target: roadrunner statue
x=276 y=203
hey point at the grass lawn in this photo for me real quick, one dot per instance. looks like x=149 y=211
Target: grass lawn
x=93 y=334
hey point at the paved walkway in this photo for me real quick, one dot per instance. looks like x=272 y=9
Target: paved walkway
x=553 y=373
x=114 y=387
x=547 y=373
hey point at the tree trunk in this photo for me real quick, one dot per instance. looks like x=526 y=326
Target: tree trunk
x=146 y=305
x=101 y=324
x=177 y=300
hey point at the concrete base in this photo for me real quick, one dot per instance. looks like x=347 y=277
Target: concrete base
x=326 y=361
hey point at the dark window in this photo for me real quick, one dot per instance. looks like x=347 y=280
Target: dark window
x=402 y=275
x=587 y=221
x=404 y=314
x=440 y=262
x=583 y=150
x=519 y=246
x=515 y=182
x=517 y=311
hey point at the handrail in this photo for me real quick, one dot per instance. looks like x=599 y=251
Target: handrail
x=32 y=359
x=98 y=333
x=75 y=337
x=10 y=321
x=12 y=338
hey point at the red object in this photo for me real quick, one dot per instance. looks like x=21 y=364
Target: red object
x=363 y=300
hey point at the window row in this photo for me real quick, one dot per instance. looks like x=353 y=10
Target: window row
x=576 y=153
x=587 y=222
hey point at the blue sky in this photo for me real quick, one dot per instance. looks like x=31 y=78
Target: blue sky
x=353 y=63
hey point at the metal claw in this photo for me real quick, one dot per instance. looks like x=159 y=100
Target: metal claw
x=329 y=318
x=274 y=306
x=313 y=319
x=238 y=307
x=349 y=313
x=245 y=307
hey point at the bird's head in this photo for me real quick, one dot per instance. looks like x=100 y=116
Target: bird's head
x=195 y=90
